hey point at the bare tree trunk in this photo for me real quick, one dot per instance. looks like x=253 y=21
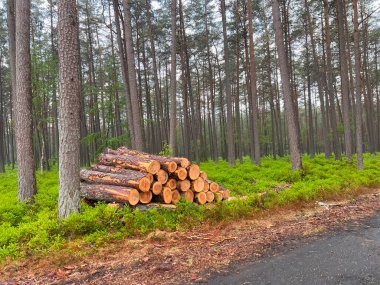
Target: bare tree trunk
x=295 y=155
x=253 y=85
x=344 y=80
x=136 y=111
x=124 y=71
x=69 y=109
x=230 y=127
x=358 y=87
x=173 y=80
x=23 y=105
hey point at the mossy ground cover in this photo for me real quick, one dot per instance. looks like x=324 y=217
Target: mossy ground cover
x=34 y=230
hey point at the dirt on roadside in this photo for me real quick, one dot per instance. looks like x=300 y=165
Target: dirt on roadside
x=186 y=257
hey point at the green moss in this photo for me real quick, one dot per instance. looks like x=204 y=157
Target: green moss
x=36 y=230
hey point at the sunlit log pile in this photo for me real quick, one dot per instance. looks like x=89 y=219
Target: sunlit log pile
x=126 y=176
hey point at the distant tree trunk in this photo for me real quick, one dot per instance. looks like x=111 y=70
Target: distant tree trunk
x=23 y=105
x=230 y=127
x=12 y=65
x=295 y=155
x=237 y=93
x=2 y=120
x=330 y=85
x=344 y=80
x=136 y=111
x=253 y=85
x=358 y=87
x=69 y=108
x=124 y=71
x=173 y=80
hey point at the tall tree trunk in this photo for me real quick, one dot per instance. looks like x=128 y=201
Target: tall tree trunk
x=173 y=80
x=230 y=127
x=237 y=93
x=295 y=155
x=69 y=108
x=358 y=87
x=124 y=71
x=344 y=80
x=23 y=105
x=330 y=85
x=253 y=85
x=136 y=111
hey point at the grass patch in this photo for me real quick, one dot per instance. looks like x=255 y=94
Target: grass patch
x=35 y=230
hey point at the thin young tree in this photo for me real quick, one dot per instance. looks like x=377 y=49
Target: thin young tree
x=22 y=105
x=253 y=85
x=358 y=89
x=344 y=79
x=69 y=108
x=295 y=154
x=230 y=128
x=173 y=80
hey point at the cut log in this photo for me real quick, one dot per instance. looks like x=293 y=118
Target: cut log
x=197 y=185
x=131 y=162
x=175 y=196
x=180 y=173
x=188 y=196
x=109 y=193
x=226 y=194
x=210 y=196
x=200 y=198
x=162 y=176
x=157 y=188
x=129 y=178
x=184 y=185
x=193 y=171
x=150 y=177
x=214 y=187
x=218 y=196
x=172 y=183
x=203 y=175
x=206 y=186
x=169 y=164
x=146 y=197
x=165 y=196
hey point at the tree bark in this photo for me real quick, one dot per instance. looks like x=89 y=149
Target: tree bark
x=23 y=105
x=344 y=80
x=230 y=127
x=295 y=154
x=136 y=111
x=69 y=108
x=173 y=80
x=253 y=85
x=110 y=193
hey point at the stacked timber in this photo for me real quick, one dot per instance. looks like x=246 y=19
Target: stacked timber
x=133 y=177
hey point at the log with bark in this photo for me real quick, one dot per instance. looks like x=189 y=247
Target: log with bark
x=146 y=197
x=172 y=183
x=157 y=188
x=193 y=171
x=180 y=173
x=169 y=164
x=165 y=196
x=181 y=161
x=183 y=185
x=210 y=196
x=131 y=162
x=200 y=198
x=176 y=197
x=214 y=187
x=197 y=185
x=109 y=193
x=127 y=178
x=188 y=196
x=161 y=176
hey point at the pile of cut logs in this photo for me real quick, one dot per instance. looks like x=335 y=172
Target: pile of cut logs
x=133 y=177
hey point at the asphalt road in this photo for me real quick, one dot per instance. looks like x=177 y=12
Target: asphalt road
x=349 y=256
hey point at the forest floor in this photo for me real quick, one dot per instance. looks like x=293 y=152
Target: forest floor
x=193 y=256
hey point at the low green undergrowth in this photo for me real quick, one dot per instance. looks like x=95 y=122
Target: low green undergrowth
x=34 y=230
